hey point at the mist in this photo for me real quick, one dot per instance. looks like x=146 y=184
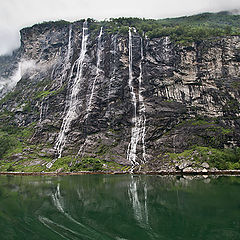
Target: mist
x=15 y=14
x=23 y=67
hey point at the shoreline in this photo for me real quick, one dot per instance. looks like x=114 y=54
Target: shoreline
x=162 y=173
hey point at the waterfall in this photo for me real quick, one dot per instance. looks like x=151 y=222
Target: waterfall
x=142 y=110
x=132 y=147
x=71 y=113
x=43 y=108
x=114 y=70
x=139 y=118
x=99 y=55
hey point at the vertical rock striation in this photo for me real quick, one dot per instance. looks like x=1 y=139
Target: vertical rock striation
x=126 y=98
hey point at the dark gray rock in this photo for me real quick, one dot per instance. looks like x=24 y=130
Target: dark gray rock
x=191 y=94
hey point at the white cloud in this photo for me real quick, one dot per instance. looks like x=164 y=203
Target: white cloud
x=15 y=14
x=24 y=67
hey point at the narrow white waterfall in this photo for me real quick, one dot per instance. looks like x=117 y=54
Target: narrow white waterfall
x=139 y=117
x=69 y=50
x=114 y=70
x=43 y=108
x=132 y=147
x=71 y=112
x=98 y=70
x=142 y=110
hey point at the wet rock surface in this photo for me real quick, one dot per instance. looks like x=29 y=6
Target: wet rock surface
x=191 y=94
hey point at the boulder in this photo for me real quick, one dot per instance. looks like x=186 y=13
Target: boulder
x=188 y=170
x=205 y=165
x=183 y=164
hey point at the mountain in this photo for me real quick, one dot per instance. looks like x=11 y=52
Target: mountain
x=123 y=94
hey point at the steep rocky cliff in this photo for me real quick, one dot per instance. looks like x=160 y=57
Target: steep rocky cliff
x=125 y=99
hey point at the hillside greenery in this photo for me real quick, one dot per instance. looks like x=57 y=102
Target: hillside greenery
x=182 y=30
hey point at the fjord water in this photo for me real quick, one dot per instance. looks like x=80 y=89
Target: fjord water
x=119 y=207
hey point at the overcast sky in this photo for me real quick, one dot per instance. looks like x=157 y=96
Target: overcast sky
x=16 y=14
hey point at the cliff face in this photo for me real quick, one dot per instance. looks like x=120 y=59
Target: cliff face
x=124 y=98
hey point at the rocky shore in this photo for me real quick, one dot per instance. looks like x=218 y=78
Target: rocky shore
x=163 y=172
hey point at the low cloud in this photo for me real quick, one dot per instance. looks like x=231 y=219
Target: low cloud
x=15 y=14
x=24 y=67
x=9 y=40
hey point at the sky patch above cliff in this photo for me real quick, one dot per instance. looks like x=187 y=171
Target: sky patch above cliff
x=15 y=14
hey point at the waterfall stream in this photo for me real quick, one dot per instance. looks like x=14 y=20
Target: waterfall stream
x=142 y=110
x=139 y=117
x=114 y=52
x=71 y=113
x=99 y=55
x=43 y=107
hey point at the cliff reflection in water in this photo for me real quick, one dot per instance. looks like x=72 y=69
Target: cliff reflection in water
x=119 y=207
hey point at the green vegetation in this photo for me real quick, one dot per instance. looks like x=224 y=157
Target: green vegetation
x=6 y=144
x=94 y=164
x=60 y=23
x=10 y=96
x=12 y=137
x=43 y=94
x=183 y=30
x=221 y=130
x=200 y=122
x=88 y=164
x=219 y=158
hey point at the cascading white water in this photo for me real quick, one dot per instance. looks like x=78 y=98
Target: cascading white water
x=99 y=55
x=132 y=147
x=142 y=110
x=139 y=118
x=71 y=112
x=114 y=70
x=98 y=71
x=43 y=108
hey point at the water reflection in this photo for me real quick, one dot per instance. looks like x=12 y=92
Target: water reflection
x=85 y=231
x=119 y=207
x=137 y=187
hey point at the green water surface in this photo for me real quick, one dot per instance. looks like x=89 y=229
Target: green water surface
x=119 y=207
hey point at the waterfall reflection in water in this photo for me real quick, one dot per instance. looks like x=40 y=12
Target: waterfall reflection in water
x=119 y=207
x=139 y=204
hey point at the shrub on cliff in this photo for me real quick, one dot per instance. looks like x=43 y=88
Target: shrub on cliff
x=88 y=164
x=6 y=143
